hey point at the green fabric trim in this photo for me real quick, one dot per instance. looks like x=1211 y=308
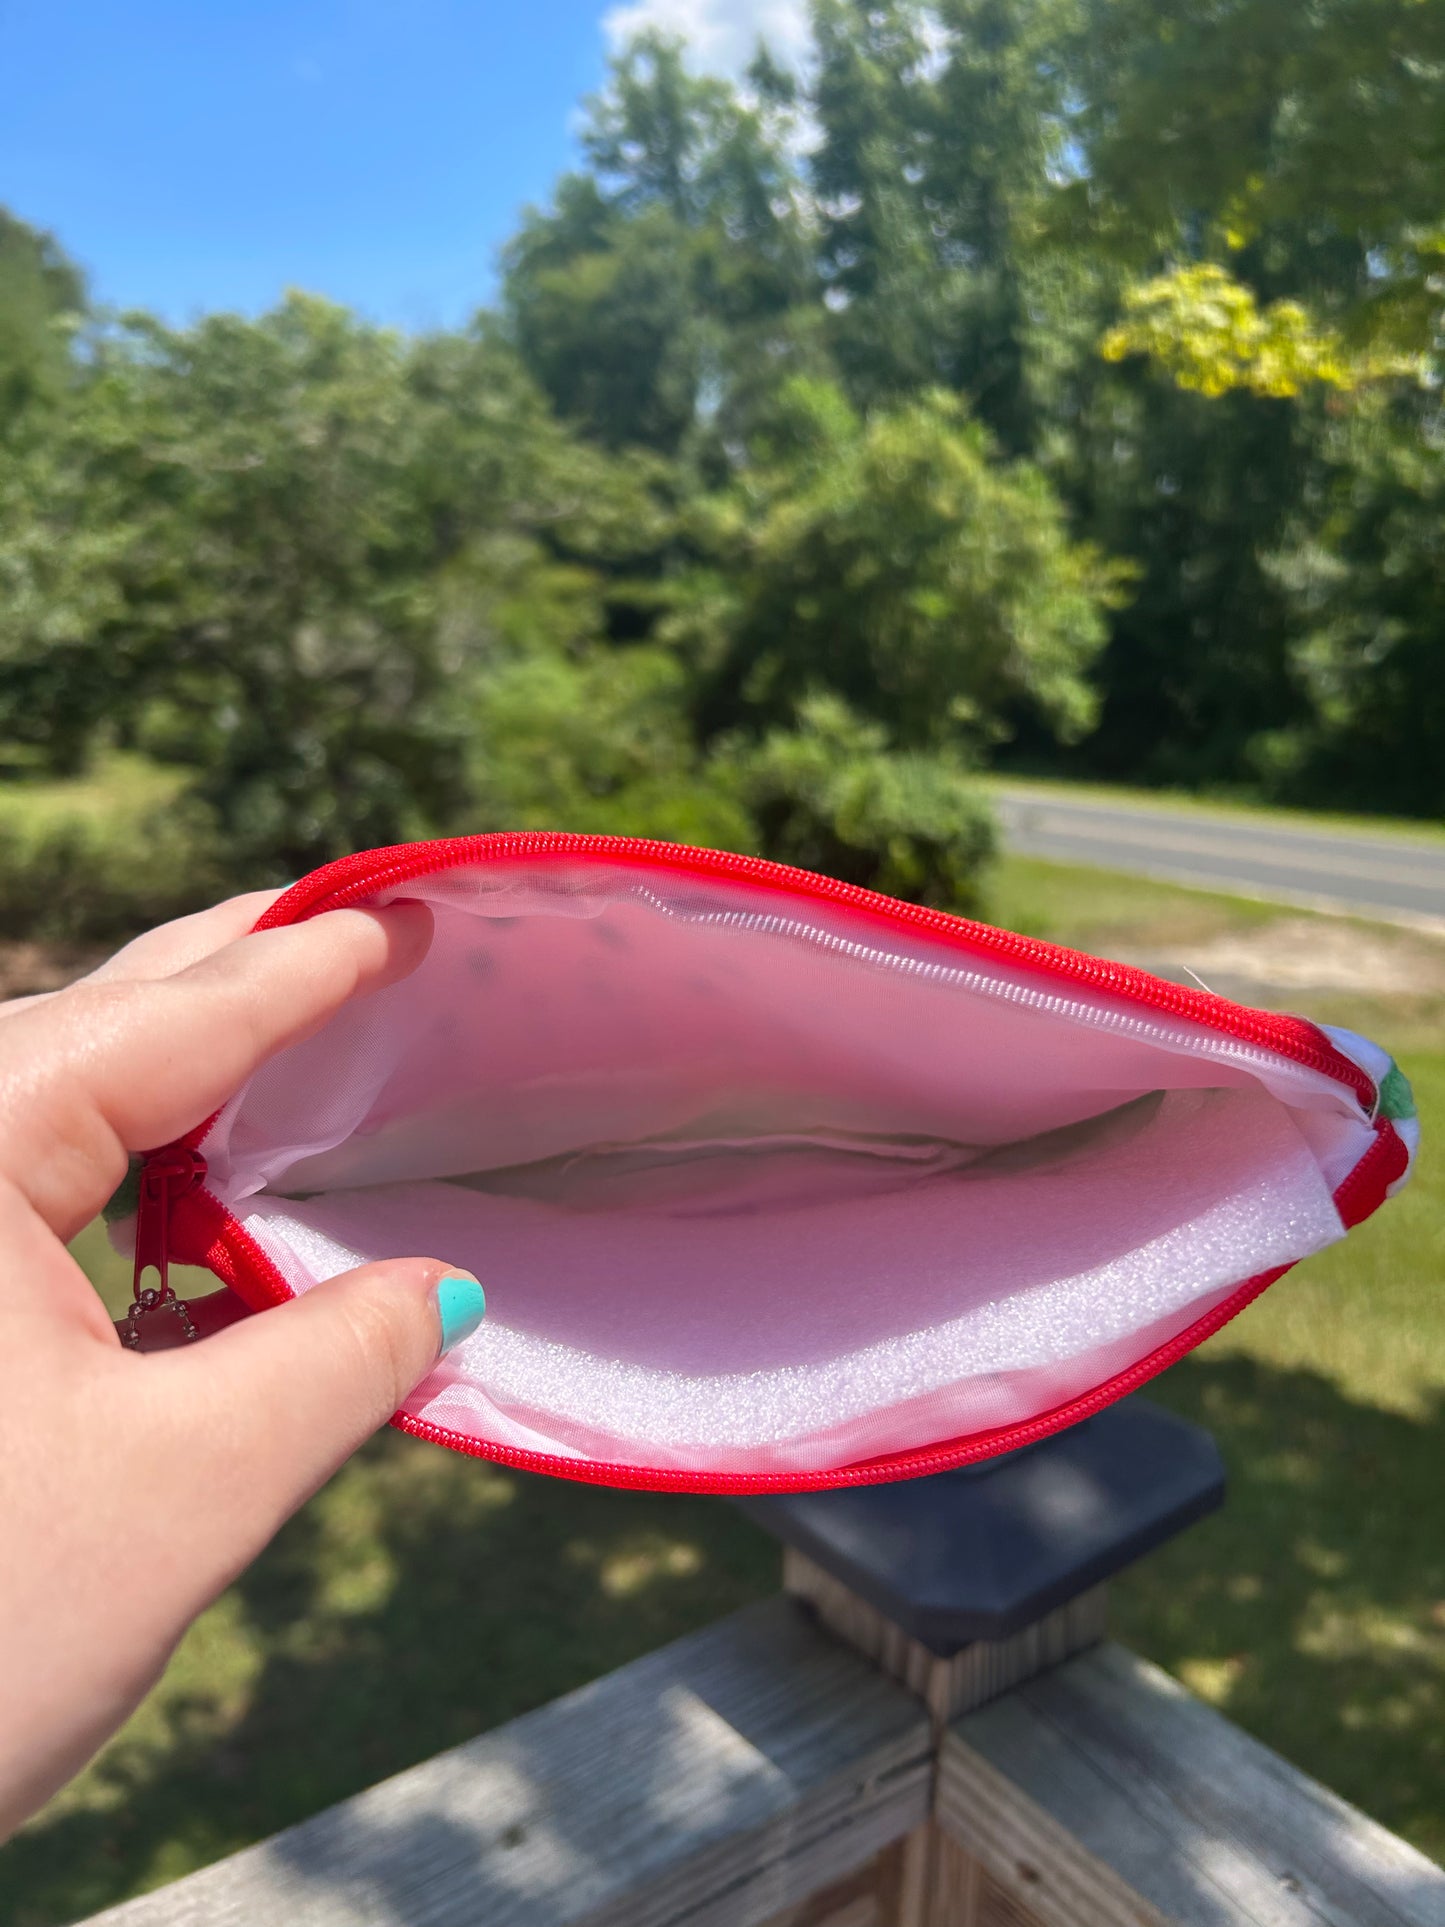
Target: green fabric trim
x=1396 y=1097
x=126 y=1201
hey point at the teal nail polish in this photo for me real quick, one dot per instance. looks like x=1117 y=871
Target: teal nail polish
x=461 y=1304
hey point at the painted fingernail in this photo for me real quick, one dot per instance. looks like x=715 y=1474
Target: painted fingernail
x=461 y=1304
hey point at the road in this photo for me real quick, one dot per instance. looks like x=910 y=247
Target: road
x=1371 y=875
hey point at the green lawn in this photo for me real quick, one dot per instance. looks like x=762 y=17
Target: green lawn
x=121 y=790
x=1409 y=829
x=1096 y=909
x=87 y=862
x=421 y=1597
x=1312 y=1608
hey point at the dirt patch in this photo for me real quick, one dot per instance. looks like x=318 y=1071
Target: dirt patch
x=1307 y=953
x=26 y=968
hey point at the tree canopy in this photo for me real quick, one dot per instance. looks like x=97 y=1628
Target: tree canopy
x=1052 y=382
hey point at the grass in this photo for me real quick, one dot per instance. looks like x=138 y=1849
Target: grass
x=1093 y=910
x=1407 y=829
x=421 y=1598
x=122 y=789
x=1312 y=1608
x=88 y=862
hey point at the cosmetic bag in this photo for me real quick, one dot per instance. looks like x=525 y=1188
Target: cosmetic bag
x=773 y=1182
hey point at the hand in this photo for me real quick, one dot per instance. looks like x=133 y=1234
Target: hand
x=134 y=1487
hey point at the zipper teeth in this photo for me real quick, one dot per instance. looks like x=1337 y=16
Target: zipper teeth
x=1263 y=1034
x=352 y=879
x=979 y=982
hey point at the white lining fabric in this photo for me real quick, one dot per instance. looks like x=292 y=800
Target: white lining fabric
x=762 y=1185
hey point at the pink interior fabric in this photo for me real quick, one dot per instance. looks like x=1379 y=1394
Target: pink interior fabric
x=758 y=1185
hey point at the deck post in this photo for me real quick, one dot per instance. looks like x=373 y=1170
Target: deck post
x=967 y=1583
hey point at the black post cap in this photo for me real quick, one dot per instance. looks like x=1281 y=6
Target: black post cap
x=980 y=1552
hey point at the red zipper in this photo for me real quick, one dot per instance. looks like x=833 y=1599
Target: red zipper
x=179 y=1217
x=166 y=1176
x=352 y=879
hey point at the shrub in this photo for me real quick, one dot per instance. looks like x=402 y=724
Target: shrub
x=832 y=796
x=80 y=881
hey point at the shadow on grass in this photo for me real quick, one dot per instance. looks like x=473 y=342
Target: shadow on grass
x=1311 y=1610
x=422 y=1599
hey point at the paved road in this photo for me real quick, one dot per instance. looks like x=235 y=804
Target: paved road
x=1375 y=875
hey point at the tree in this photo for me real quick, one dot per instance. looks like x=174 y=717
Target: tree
x=599 y=740
x=643 y=293
x=779 y=494
x=1300 y=150
x=59 y=557
x=1196 y=495
x=1269 y=178
x=830 y=794
x=611 y=331
x=1366 y=598
x=42 y=302
x=1000 y=144
x=284 y=517
x=894 y=562
x=876 y=252
x=54 y=546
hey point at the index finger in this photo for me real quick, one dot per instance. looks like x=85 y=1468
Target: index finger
x=169 y=947
x=116 y=1066
x=186 y=940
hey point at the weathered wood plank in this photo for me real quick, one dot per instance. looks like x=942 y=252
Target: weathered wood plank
x=1104 y=1792
x=871 y=1897
x=717 y=1782
x=940 y=1886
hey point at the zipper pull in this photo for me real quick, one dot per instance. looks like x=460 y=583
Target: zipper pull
x=165 y=1175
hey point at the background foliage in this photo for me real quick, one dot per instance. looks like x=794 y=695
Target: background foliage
x=1038 y=381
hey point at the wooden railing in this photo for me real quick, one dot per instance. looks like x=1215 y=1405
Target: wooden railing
x=808 y=1763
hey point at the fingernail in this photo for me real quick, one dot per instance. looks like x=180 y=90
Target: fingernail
x=461 y=1304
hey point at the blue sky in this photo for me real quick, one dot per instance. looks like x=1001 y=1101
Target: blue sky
x=210 y=153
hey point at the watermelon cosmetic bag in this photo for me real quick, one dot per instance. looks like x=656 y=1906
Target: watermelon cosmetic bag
x=773 y=1182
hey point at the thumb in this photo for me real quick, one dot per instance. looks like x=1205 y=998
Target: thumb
x=290 y=1393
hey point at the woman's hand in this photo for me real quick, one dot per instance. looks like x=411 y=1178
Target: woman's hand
x=134 y=1487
